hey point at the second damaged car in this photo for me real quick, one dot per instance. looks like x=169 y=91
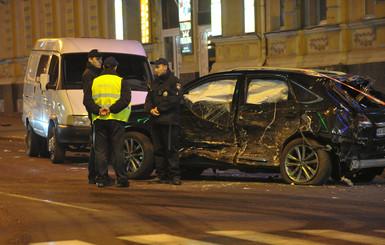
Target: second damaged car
x=305 y=124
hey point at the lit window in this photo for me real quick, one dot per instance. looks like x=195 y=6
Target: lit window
x=144 y=20
x=216 y=18
x=249 y=12
x=118 y=20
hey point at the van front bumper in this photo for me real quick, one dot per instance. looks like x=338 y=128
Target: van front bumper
x=73 y=134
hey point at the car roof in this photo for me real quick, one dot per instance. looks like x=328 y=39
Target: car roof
x=312 y=72
x=84 y=45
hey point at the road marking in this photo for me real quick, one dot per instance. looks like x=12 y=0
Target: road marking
x=264 y=237
x=48 y=201
x=346 y=236
x=70 y=242
x=164 y=239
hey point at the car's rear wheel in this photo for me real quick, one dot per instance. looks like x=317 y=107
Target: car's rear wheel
x=139 y=154
x=56 y=151
x=305 y=164
x=32 y=141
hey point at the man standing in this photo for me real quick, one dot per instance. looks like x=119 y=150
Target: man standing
x=111 y=96
x=162 y=102
x=93 y=69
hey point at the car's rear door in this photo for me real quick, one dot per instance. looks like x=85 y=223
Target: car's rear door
x=207 y=116
x=268 y=114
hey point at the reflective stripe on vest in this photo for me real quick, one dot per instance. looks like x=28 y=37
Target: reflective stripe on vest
x=105 y=92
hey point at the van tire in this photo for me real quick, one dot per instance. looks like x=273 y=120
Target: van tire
x=305 y=163
x=56 y=151
x=32 y=141
x=138 y=155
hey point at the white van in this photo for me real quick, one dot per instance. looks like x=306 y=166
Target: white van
x=53 y=110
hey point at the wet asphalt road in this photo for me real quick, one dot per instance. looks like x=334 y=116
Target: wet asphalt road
x=44 y=202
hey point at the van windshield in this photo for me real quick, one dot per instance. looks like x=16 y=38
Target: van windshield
x=134 y=68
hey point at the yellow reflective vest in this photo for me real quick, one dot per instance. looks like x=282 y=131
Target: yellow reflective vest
x=105 y=92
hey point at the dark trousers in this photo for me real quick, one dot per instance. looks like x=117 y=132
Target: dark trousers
x=91 y=163
x=110 y=136
x=92 y=173
x=166 y=152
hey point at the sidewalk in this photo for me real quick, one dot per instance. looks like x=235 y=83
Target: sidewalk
x=12 y=128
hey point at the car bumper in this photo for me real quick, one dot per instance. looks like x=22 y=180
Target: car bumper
x=368 y=163
x=73 y=134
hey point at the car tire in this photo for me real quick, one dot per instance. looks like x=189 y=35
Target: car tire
x=56 y=151
x=139 y=154
x=32 y=141
x=44 y=152
x=305 y=164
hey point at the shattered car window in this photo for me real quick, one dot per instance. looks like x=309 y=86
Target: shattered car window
x=266 y=91
x=304 y=95
x=212 y=100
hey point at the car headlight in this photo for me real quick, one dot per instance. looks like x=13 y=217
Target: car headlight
x=81 y=121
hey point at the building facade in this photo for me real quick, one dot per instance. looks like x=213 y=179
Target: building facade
x=202 y=36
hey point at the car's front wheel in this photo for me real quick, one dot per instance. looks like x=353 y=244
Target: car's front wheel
x=56 y=151
x=139 y=154
x=305 y=164
x=32 y=141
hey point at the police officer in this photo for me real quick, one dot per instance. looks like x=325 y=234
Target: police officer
x=162 y=102
x=109 y=105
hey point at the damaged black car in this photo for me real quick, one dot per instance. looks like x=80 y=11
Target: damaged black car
x=308 y=125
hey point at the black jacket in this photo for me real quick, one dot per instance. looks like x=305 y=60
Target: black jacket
x=90 y=73
x=120 y=104
x=165 y=93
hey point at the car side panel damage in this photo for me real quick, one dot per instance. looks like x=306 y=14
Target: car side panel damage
x=309 y=125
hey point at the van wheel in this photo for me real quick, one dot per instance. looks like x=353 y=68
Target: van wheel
x=305 y=164
x=32 y=141
x=56 y=151
x=138 y=155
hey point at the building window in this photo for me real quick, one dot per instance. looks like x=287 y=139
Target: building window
x=204 y=12
x=216 y=18
x=145 y=21
x=118 y=20
x=249 y=14
x=282 y=13
x=315 y=11
x=170 y=17
x=369 y=8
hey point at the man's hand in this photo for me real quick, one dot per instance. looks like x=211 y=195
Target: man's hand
x=104 y=111
x=155 y=112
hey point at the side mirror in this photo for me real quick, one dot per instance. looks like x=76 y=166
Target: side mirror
x=44 y=80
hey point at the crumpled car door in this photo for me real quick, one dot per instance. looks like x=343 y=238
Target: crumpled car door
x=206 y=120
x=266 y=118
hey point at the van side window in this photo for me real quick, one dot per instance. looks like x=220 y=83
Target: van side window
x=42 y=68
x=53 y=71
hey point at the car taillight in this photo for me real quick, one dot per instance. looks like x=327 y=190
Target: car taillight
x=363 y=121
